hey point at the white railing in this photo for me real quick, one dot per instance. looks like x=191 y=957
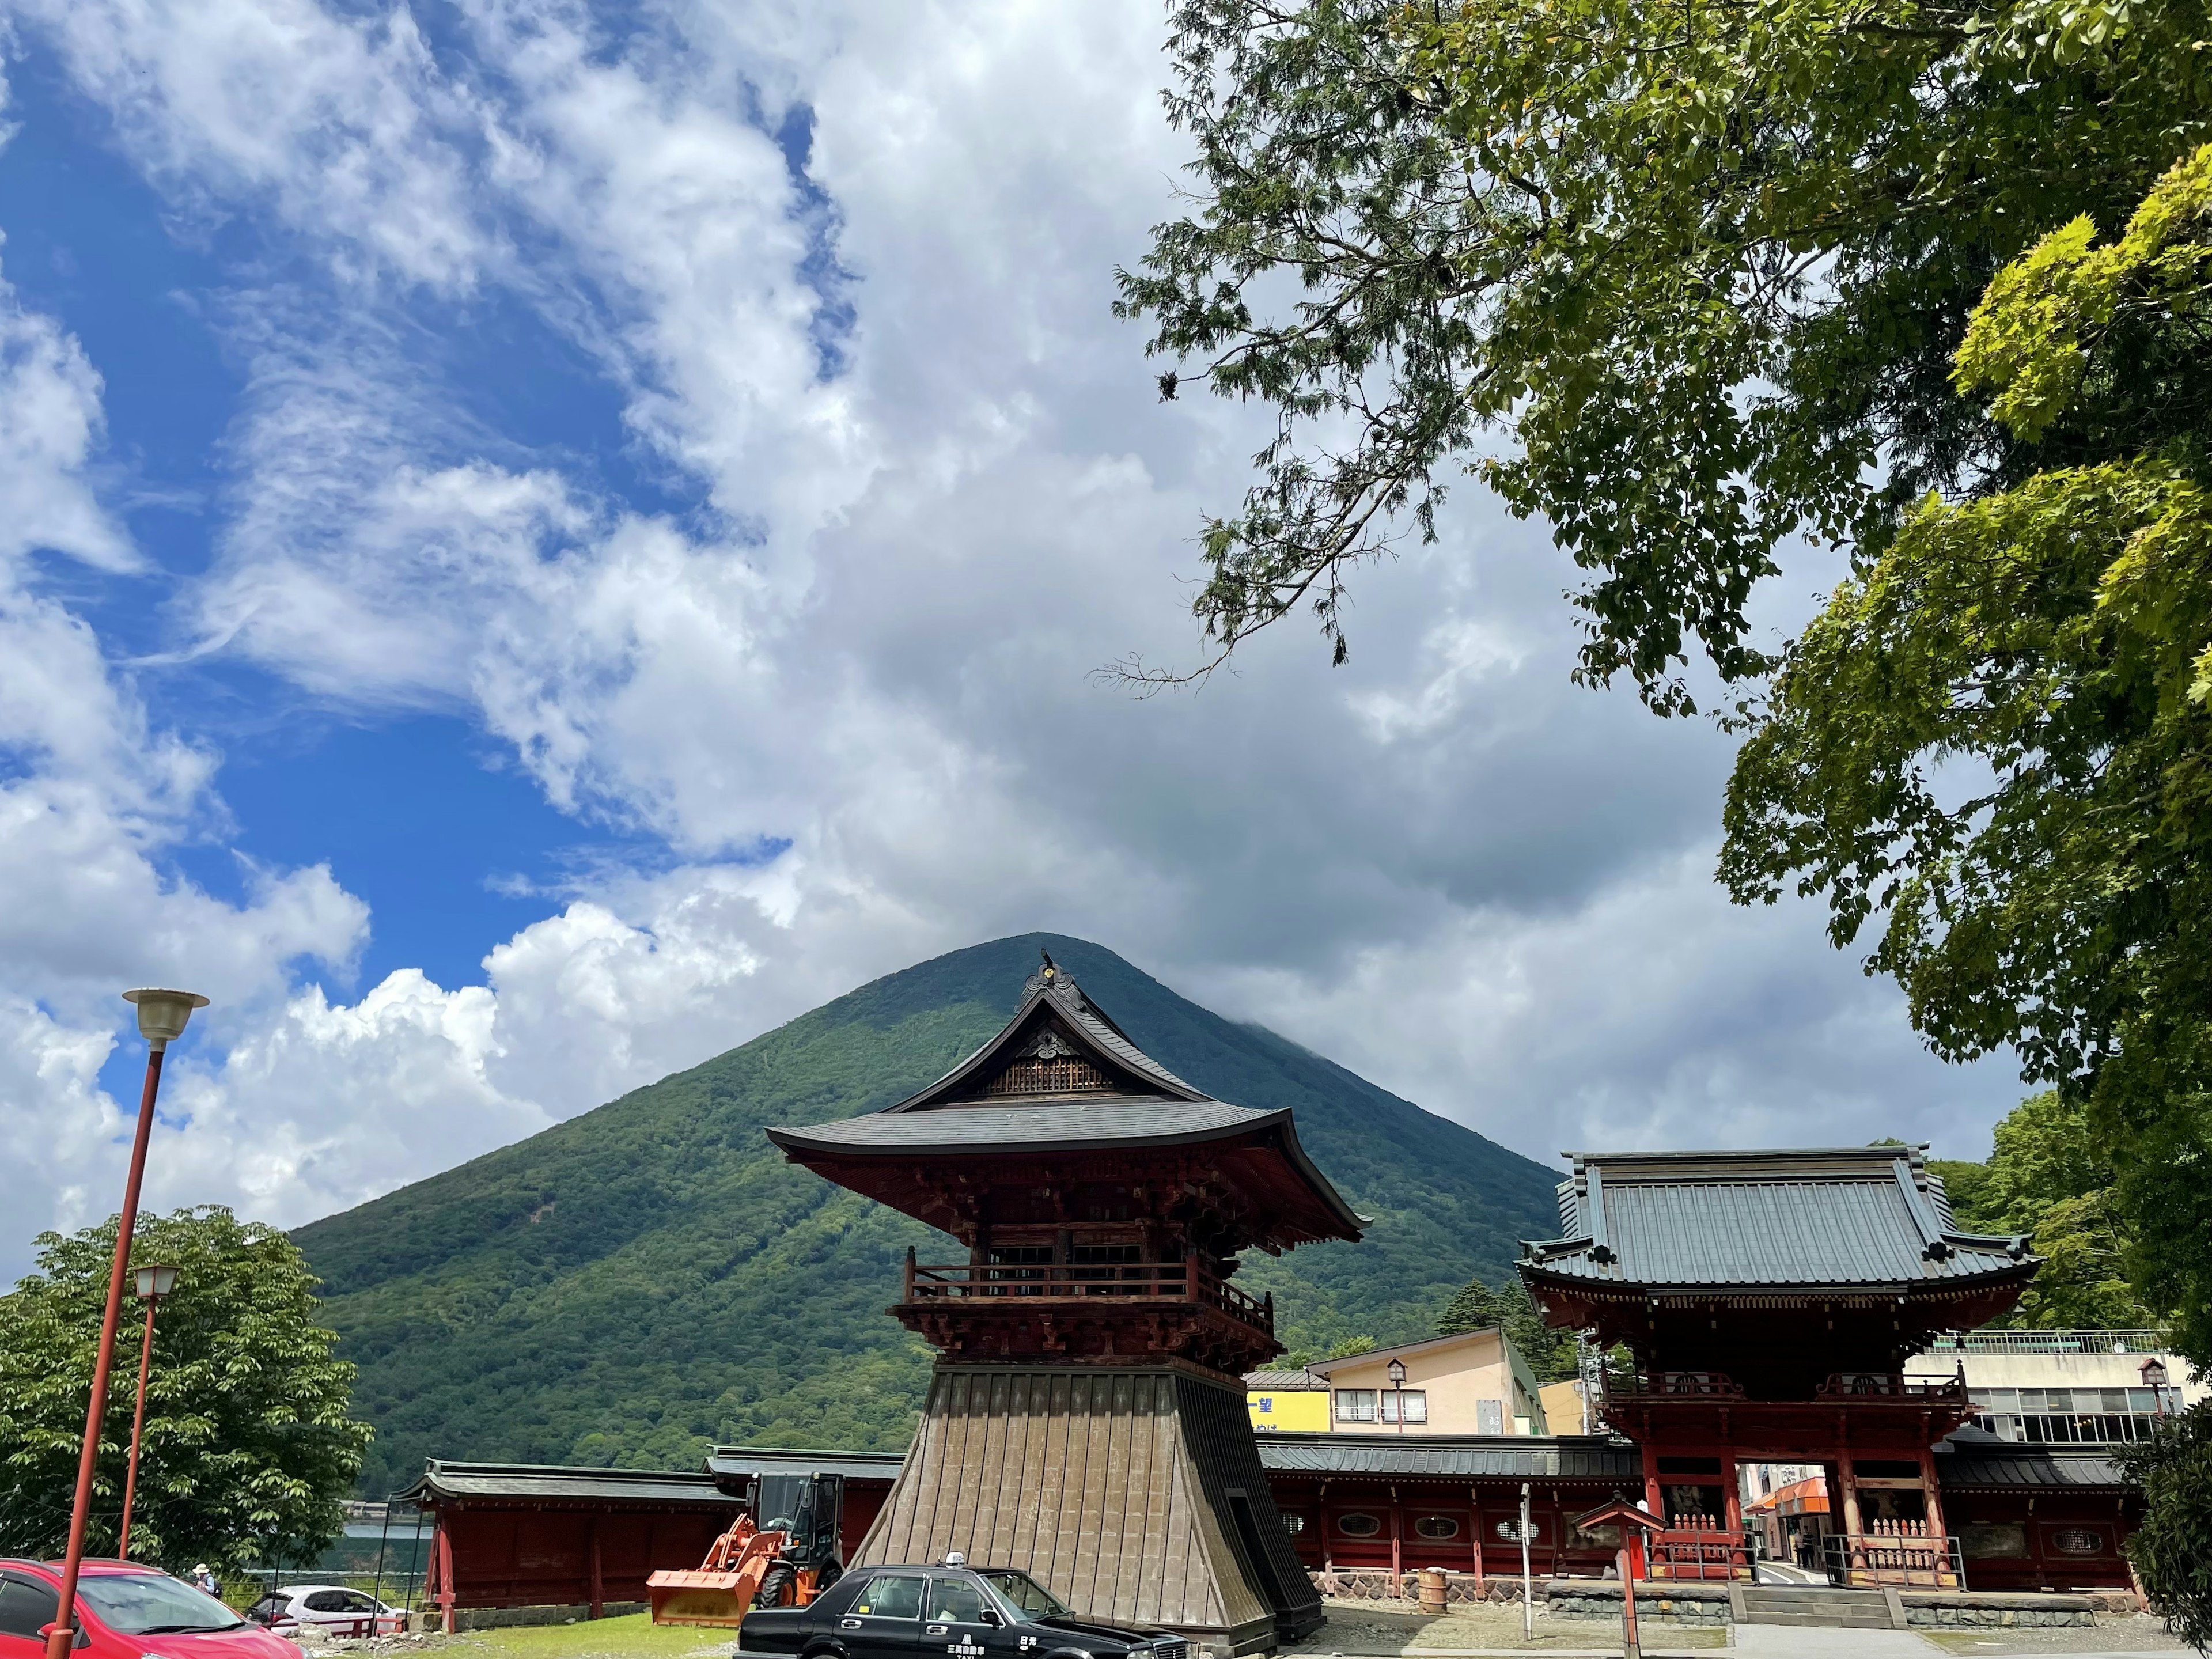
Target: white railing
x=2051 y=1342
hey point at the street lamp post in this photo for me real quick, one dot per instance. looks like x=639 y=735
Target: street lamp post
x=153 y=1284
x=2155 y=1378
x=1398 y=1387
x=161 y=1018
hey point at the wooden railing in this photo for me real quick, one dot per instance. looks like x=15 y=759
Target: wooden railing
x=1702 y=1549
x=1899 y=1554
x=1888 y=1385
x=1675 y=1384
x=1057 y=1281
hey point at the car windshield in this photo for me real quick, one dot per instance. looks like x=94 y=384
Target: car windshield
x=150 y=1603
x=1028 y=1598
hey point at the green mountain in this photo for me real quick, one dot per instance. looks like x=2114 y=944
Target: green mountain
x=651 y=1276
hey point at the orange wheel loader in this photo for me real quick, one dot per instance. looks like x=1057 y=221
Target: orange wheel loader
x=782 y=1553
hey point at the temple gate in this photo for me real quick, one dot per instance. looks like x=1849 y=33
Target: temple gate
x=1769 y=1301
x=1086 y=1421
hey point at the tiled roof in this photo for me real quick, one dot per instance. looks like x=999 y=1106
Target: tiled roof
x=1141 y=1103
x=1041 y=1127
x=727 y=1461
x=538 y=1482
x=1832 y=1216
x=1957 y=1470
x=1285 y=1382
x=1520 y=1457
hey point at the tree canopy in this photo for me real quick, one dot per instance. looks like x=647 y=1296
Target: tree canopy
x=248 y=1449
x=1685 y=281
x=1999 y=734
x=1509 y=1308
x=2049 y=1177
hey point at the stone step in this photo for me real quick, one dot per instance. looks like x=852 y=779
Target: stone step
x=1809 y=1620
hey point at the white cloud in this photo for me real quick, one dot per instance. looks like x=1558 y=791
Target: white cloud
x=869 y=646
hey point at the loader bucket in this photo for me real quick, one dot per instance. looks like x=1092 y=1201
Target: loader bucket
x=706 y=1598
x=721 y=1589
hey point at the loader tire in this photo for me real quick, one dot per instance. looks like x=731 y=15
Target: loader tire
x=779 y=1588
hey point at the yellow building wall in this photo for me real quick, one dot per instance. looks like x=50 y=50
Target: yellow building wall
x=1563 y=1406
x=1456 y=1373
x=1304 y=1411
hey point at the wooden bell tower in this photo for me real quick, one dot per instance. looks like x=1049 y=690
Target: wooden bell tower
x=1086 y=1422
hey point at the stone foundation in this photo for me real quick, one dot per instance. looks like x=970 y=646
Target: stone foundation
x=1377 y=1584
x=1662 y=1604
x=1972 y=1608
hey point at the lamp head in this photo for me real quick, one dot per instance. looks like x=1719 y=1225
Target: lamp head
x=162 y=1014
x=2154 y=1374
x=156 y=1281
x=1397 y=1373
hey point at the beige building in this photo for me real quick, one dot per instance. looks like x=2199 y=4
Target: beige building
x=1475 y=1383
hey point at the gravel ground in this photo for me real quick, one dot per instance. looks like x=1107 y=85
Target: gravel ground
x=1357 y=1628
x=2139 y=1634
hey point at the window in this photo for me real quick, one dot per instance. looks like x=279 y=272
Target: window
x=1028 y=1598
x=1355 y=1405
x=2078 y=1541
x=24 y=1607
x=1437 y=1526
x=1415 y=1400
x=891 y=1596
x=955 y=1602
x=1358 y=1525
x=327 y=1602
x=1294 y=1524
x=133 y=1603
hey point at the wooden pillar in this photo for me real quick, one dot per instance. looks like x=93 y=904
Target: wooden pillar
x=1847 y=1493
x=1475 y=1524
x=1397 y=1552
x=1732 y=1511
x=1938 y=1532
x=592 y=1544
x=441 y=1546
x=1652 y=1499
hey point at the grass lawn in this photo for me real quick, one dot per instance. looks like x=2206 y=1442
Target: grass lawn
x=633 y=1637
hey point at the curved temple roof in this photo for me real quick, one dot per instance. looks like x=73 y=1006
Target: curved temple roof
x=1061 y=1077
x=1830 y=1217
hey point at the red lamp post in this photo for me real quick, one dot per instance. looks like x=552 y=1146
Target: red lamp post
x=153 y=1284
x=161 y=1018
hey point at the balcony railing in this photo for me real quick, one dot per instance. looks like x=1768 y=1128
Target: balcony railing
x=2134 y=1341
x=1188 y=1282
x=1714 y=1385
x=1889 y=1385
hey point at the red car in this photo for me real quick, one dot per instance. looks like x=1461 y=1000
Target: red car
x=126 y=1610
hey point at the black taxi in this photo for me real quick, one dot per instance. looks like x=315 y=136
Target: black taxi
x=950 y=1608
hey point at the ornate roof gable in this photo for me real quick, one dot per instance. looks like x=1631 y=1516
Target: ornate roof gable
x=1058 y=1046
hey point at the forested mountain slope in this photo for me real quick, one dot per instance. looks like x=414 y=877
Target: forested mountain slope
x=637 y=1282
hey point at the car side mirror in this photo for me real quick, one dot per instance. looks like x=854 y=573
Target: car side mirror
x=991 y=1616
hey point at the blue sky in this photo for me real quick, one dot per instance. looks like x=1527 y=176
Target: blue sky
x=537 y=541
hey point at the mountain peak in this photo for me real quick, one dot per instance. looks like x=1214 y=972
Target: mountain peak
x=638 y=1282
